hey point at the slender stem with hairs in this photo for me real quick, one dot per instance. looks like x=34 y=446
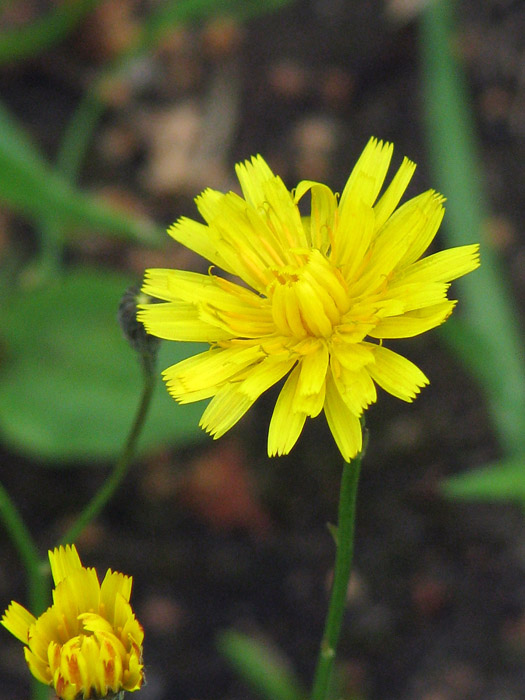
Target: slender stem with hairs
x=343 y=566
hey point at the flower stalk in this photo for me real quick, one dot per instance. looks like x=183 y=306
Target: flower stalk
x=36 y=580
x=342 y=569
x=146 y=348
x=122 y=465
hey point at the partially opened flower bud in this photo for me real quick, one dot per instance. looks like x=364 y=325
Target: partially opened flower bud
x=135 y=333
x=88 y=644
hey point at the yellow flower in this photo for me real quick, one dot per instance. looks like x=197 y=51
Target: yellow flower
x=317 y=297
x=88 y=644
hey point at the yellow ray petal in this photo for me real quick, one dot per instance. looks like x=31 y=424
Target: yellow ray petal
x=395 y=374
x=286 y=424
x=413 y=322
x=323 y=207
x=368 y=175
x=226 y=408
x=344 y=425
x=88 y=663
x=417 y=219
x=92 y=622
x=352 y=356
x=310 y=391
x=245 y=230
x=210 y=204
x=38 y=668
x=17 y=620
x=200 y=238
x=78 y=592
x=232 y=402
x=353 y=236
x=251 y=175
x=132 y=630
x=205 y=294
x=417 y=295
x=445 y=266
x=202 y=293
x=393 y=193
x=179 y=285
x=283 y=216
x=63 y=561
x=48 y=627
x=328 y=283
x=180 y=321
x=133 y=675
x=113 y=586
x=213 y=367
x=267 y=194
x=355 y=388
x=264 y=375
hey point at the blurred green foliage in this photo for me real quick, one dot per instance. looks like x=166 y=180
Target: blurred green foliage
x=29 y=40
x=29 y=185
x=263 y=668
x=487 y=337
x=69 y=384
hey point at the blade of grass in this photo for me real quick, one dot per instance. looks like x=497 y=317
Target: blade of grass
x=260 y=667
x=487 y=339
x=500 y=481
x=79 y=132
x=30 y=186
x=83 y=123
x=22 y=42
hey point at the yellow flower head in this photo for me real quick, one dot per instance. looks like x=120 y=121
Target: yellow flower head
x=317 y=297
x=88 y=644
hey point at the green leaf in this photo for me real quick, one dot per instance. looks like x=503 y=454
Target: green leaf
x=491 y=342
x=506 y=405
x=262 y=668
x=30 y=186
x=333 y=530
x=20 y=42
x=69 y=382
x=504 y=481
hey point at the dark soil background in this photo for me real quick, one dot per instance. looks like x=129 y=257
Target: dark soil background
x=221 y=536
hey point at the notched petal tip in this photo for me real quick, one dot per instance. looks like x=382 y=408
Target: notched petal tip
x=63 y=560
x=17 y=620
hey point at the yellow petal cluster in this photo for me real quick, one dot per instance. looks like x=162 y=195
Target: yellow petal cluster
x=88 y=644
x=316 y=297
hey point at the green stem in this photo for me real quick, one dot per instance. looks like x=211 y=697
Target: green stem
x=110 y=485
x=69 y=159
x=343 y=566
x=18 y=43
x=39 y=691
x=34 y=568
x=27 y=550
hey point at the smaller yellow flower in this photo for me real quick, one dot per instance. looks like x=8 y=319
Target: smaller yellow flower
x=88 y=644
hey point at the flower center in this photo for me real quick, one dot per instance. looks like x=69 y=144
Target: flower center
x=309 y=300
